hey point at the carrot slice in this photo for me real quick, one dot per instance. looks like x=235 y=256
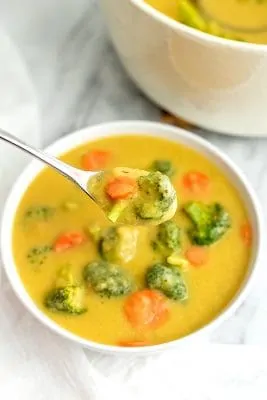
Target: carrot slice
x=95 y=160
x=146 y=309
x=197 y=255
x=121 y=187
x=68 y=240
x=139 y=343
x=196 y=182
x=246 y=233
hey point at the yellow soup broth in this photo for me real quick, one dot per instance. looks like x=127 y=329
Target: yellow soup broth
x=211 y=287
x=235 y=19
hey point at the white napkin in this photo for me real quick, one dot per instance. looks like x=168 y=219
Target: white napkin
x=40 y=365
x=35 y=364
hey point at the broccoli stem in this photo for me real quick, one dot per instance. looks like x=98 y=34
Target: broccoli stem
x=116 y=210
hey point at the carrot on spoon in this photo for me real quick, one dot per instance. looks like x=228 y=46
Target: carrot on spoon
x=121 y=187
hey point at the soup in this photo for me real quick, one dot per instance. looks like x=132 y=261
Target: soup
x=242 y=20
x=133 y=285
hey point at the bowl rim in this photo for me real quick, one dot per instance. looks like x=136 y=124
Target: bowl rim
x=196 y=34
x=144 y=128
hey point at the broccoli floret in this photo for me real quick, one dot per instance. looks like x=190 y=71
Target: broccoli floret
x=211 y=222
x=68 y=299
x=157 y=199
x=167 y=279
x=107 y=280
x=118 y=244
x=41 y=213
x=163 y=166
x=168 y=240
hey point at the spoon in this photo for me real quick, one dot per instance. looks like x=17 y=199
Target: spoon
x=84 y=180
x=78 y=176
x=203 y=9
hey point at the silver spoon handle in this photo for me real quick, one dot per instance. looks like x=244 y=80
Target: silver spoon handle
x=66 y=170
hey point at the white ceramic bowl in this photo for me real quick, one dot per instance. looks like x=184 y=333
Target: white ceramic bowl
x=139 y=128
x=217 y=84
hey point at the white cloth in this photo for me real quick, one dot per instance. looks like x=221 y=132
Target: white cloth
x=35 y=364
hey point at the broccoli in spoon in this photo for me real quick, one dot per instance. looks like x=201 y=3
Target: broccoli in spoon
x=135 y=197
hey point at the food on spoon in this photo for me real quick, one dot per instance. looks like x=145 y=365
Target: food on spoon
x=135 y=197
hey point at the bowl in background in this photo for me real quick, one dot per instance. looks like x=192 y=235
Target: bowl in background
x=128 y=128
x=213 y=83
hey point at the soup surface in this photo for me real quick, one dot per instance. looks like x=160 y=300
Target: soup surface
x=58 y=242
x=243 y=20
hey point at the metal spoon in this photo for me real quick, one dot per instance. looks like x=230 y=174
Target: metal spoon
x=235 y=28
x=78 y=176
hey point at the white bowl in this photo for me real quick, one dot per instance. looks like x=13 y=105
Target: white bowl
x=139 y=128
x=217 y=84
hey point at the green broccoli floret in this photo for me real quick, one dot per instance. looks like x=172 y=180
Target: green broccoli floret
x=118 y=244
x=107 y=280
x=211 y=222
x=68 y=299
x=167 y=279
x=168 y=240
x=157 y=197
x=163 y=166
x=41 y=213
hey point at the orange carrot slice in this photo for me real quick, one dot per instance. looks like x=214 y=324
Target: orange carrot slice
x=95 y=160
x=197 y=256
x=146 y=309
x=246 y=233
x=196 y=182
x=68 y=240
x=121 y=187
